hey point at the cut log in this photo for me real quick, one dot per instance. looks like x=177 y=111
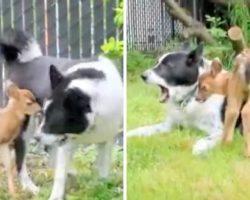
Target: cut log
x=193 y=27
x=236 y=36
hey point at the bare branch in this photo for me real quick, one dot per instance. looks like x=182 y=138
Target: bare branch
x=193 y=27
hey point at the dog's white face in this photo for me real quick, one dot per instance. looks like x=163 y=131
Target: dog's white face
x=176 y=74
x=177 y=93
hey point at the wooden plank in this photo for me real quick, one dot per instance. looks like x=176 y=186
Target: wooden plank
x=74 y=29
x=28 y=16
x=6 y=15
x=98 y=25
x=63 y=35
x=110 y=18
x=18 y=14
x=86 y=33
x=40 y=24
x=51 y=29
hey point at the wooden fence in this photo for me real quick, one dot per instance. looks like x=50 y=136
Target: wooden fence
x=64 y=28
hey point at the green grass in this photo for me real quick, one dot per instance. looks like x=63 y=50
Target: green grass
x=162 y=167
x=87 y=185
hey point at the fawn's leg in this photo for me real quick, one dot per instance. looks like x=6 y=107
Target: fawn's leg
x=245 y=113
x=8 y=165
x=234 y=101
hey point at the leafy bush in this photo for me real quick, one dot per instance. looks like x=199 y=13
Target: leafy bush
x=119 y=15
x=238 y=13
x=113 y=48
x=216 y=32
x=138 y=61
x=222 y=48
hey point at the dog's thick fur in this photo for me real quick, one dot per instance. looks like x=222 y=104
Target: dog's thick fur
x=27 y=67
x=177 y=75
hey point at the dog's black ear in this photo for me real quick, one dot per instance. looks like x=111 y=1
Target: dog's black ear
x=195 y=55
x=186 y=46
x=55 y=77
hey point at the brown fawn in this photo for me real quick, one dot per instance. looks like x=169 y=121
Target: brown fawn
x=21 y=102
x=235 y=86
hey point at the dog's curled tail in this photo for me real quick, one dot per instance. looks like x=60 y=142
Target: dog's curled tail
x=19 y=46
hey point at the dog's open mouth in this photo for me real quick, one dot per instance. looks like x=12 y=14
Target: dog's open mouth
x=164 y=94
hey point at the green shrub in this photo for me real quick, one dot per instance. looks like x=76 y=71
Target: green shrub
x=113 y=48
x=138 y=61
x=222 y=48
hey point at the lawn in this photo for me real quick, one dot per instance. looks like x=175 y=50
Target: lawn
x=86 y=186
x=162 y=167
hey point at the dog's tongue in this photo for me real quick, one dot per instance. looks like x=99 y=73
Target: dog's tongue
x=164 y=95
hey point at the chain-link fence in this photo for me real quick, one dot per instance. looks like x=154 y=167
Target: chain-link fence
x=149 y=25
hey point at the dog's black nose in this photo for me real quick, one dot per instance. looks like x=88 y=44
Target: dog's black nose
x=143 y=76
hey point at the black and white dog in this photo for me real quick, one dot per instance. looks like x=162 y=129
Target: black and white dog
x=177 y=75
x=83 y=104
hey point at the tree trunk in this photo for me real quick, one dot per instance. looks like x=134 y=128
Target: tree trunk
x=193 y=27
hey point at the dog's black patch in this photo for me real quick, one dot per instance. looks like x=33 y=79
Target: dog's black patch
x=180 y=68
x=19 y=145
x=20 y=149
x=67 y=112
x=9 y=52
x=12 y=43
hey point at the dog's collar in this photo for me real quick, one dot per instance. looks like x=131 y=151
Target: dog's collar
x=63 y=140
x=182 y=103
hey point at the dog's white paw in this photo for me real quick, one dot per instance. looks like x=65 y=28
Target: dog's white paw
x=201 y=147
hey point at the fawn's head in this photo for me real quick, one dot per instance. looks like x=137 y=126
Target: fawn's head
x=24 y=99
x=212 y=82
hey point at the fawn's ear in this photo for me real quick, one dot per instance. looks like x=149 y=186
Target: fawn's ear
x=12 y=90
x=216 y=67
